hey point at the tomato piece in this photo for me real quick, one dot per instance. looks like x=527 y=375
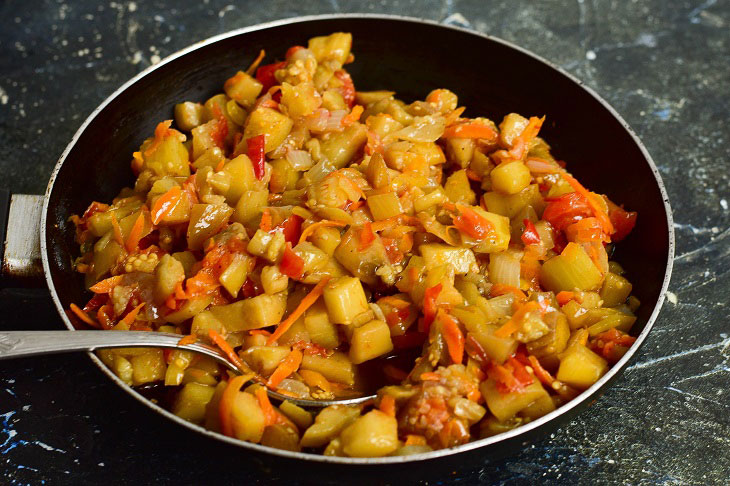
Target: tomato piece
x=265 y=75
x=348 y=87
x=472 y=224
x=293 y=50
x=292 y=265
x=566 y=210
x=623 y=221
x=429 y=304
x=257 y=155
x=585 y=230
x=530 y=236
x=292 y=228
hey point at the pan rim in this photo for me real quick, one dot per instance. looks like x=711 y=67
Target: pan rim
x=524 y=429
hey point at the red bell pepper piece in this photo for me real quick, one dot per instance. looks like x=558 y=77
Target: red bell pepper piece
x=292 y=228
x=566 y=210
x=623 y=221
x=265 y=74
x=292 y=265
x=257 y=155
x=530 y=236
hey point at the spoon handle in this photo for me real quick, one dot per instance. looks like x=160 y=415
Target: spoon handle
x=16 y=344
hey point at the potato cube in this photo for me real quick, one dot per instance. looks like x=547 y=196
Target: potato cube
x=370 y=341
x=504 y=406
x=461 y=260
x=337 y=368
x=191 y=401
x=328 y=424
x=319 y=327
x=572 y=269
x=384 y=206
x=252 y=313
x=374 y=434
x=510 y=177
x=344 y=298
x=247 y=418
x=580 y=367
x=148 y=367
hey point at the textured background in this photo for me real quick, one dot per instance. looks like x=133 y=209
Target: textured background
x=664 y=65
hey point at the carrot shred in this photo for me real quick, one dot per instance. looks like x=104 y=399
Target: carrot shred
x=394 y=221
x=319 y=224
x=270 y=415
x=132 y=315
x=315 y=379
x=353 y=116
x=135 y=234
x=105 y=286
x=597 y=211
x=387 y=405
x=453 y=336
x=501 y=289
x=117 y=231
x=511 y=326
x=305 y=304
x=221 y=164
x=266 y=222
x=521 y=141
x=255 y=64
x=564 y=297
x=83 y=315
x=367 y=236
x=413 y=439
x=287 y=367
x=541 y=373
x=225 y=409
x=165 y=204
x=472 y=175
x=226 y=348
x=394 y=302
x=470 y=130
x=430 y=376
x=189 y=339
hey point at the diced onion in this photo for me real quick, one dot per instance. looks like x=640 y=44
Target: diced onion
x=319 y=171
x=299 y=159
x=317 y=121
x=424 y=129
x=502 y=305
x=334 y=123
x=295 y=387
x=504 y=269
x=541 y=166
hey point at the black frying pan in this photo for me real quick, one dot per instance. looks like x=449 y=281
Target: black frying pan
x=413 y=57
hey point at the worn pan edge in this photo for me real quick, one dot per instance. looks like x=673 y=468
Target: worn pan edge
x=586 y=395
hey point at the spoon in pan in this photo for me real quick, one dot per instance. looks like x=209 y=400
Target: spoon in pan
x=17 y=344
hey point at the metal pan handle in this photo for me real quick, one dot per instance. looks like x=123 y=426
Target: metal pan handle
x=20 y=222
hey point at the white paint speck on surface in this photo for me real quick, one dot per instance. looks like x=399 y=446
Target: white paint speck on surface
x=590 y=55
x=672 y=297
x=132 y=6
x=154 y=59
x=611 y=461
x=723 y=204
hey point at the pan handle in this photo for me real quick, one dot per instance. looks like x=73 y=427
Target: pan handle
x=20 y=222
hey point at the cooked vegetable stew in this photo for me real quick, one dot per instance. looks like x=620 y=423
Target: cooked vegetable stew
x=321 y=235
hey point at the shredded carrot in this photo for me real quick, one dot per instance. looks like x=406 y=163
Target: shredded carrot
x=305 y=304
x=473 y=176
x=287 y=367
x=413 y=439
x=453 y=336
x=189 y=339
x=136 y=233
x=367 y=237
x=319 y=224
x=501 y=289
x=132 y=315
x=117 y=231
x=165 y=204
x=394 y=221
x=220 y=165
x=454 y=115
x=521 y=141
x=270 y=414
x=353 y=116
x=255 y=64
x=162 y=130
x=394 y=302
x=472 y=129
x=430 y=376
x=266 y=223
x=387 y=405
x=226 y=348
x=315 y=379
x=105 y=286
x=228 y=399
x=83 y=315
x=564 y=297
x=511 y=326
x=542 y=374
x=597 y=211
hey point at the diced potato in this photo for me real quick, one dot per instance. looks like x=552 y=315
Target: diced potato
x=458 y=189
x=265 y=359
x=511 y=204
x=167 y=155
x=384 y=206
x=319 y=327
x=191 y=402
x=511 y=127
x=271 y=123
x=297 y=332
x=345 y=299
x=460 y=150
x=253 y=313
x=122 y=368
x=234 y=276
x=313 y=257
x=554 y=341
x=242 y=179
x=340 y=147
x=249 y=206
x=204 y=322
x=461 y=260
x=210 y=158
x=333 y=100
x=189 y=115
x=212 y=409
x=301 y=417
x=337 y=368
x=148 y=367
x=273 y=280
x=510 y=177
x=580 y=367
x=497 y=240
x=431 y=153
x=190 y=308
x=300 y=100
x=247 y=418
x=281 y=436
x=575 y=313
x=168 y=273
x=504 y=406
x=243 y=88
x=615 y=290
x=333 y=48
x=328 y=424
x=326 y=239
x=572 y=269
x=370 y=341
x=205 y=221
x=374 y=434
x=497 y=348
x=542 y=406
x=187 y=259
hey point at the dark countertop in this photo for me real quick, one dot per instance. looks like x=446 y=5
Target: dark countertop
x=664 y=65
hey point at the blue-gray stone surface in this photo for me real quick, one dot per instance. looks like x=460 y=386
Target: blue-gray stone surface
x=663 y=64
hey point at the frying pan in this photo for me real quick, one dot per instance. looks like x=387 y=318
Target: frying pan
x=412 y=57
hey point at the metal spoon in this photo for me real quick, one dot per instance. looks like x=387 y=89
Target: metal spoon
x=17 y=344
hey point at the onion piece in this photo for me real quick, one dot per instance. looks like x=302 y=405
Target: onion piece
x=504 y=268
x=334 y=123
x=541 y=166
x=424 y=129
x=299 y=159
x=317 y=121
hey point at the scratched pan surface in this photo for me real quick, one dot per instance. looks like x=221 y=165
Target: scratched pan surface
x=412 y=57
